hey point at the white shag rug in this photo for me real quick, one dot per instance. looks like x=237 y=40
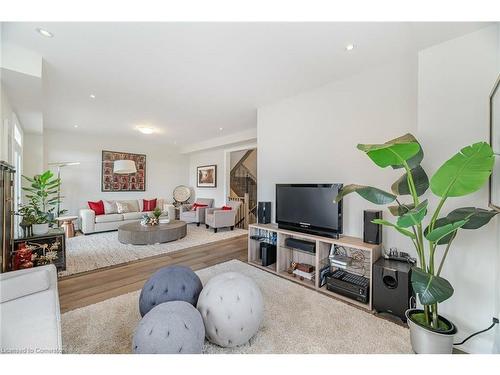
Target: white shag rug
x=296 y=320
x=93 y=251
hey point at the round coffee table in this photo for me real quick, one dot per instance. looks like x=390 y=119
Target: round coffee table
x=137 y=234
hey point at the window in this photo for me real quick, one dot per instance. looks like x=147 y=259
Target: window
x=17 y=136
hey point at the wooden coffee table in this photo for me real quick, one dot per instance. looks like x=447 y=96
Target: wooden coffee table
x=137 y=234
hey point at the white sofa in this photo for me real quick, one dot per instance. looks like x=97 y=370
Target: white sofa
x=30 y=316
x=92 y=223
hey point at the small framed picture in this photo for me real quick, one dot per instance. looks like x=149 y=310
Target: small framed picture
x=206 y=176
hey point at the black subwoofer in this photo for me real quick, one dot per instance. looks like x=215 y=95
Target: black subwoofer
x=392 y=290
x=372 y=233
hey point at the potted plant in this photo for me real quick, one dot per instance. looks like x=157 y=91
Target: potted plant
x=464 y=173
x=43 y=198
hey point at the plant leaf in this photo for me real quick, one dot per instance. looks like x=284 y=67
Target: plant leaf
x=400 y=209
x=466 y=172
x=414 y=216
x=430 y=289
x=389 y=224
x=393 y=152
x=446 y=239
x=477 y=216
x=420 y=179
x=439 y=232
x=414 y=161
x=371 y=194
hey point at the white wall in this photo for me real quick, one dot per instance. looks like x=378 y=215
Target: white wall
x=221 y=157
x=312 y=137
x=32 y=154
x=455 y=80
x=208 y=157
x=166 y=167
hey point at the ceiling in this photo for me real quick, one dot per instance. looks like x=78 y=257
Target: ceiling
x=188 y=80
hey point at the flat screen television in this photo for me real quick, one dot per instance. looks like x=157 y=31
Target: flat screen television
x=309 y=208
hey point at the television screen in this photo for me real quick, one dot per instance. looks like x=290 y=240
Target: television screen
x=309 y=206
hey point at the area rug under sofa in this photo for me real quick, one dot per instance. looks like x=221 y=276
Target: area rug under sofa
x=99 y=250
x=295 y=321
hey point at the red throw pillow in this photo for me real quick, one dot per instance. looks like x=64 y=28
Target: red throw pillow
x=148 y=205
x=226 y=208
x=97 y=207
x=198 y=205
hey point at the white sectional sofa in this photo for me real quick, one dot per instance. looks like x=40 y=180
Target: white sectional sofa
x=30 y=316
x=92 y=223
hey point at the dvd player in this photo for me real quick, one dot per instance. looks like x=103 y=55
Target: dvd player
x=349 y=285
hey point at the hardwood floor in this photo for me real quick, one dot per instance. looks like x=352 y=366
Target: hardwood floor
x=94 y=286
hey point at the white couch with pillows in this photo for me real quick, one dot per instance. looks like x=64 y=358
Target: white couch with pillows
x=118 y=212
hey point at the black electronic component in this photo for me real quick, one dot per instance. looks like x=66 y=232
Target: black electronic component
x=348 y=285
x=264 y=212
x=267 y=253
x=392 y=290
x=303 y=245
x=372 y=233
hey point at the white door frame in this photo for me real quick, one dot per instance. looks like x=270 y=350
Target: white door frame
x=227 y=164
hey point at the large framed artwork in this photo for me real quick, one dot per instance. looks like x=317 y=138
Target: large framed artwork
x=495 y=144
x=206 y=176
x=123 y=182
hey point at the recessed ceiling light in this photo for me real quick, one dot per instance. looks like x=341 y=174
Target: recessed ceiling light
x=75 y=126
x=145 y=129
x=44 y=32
x=349 y=47
x=221 y=129
x=92 y=96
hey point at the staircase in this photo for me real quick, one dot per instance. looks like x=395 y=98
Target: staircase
x=244 y=187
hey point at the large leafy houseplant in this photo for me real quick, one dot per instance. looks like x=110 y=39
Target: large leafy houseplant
x=42 y=195
x=464 y=173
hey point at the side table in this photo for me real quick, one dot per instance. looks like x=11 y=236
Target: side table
x=66 y=223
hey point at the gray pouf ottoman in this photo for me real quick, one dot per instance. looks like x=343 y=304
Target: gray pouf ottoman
x=173 y=283
x=170 y=328
x=232 y=308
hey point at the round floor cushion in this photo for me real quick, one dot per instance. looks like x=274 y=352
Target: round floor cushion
x=170 y=328
x=173 y=283
x=232 y=307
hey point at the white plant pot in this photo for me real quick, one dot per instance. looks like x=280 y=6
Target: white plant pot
x=39 y=229
x=425 y=341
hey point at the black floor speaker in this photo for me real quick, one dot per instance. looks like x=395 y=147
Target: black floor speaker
x=372 y=233
x=264 y=212
x=392 y=290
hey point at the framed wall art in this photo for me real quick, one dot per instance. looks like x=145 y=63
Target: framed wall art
x=122 y=182
x=206 y=176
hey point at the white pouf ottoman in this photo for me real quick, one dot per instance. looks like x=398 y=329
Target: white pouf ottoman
x=232 y=308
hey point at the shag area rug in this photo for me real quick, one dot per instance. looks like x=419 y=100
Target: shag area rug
x=296 y=320
x=90 y=252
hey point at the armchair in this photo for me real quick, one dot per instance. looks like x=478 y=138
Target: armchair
x=197 y=216
x=219 y=218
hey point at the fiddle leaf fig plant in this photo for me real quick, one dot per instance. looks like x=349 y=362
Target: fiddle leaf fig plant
x=42 y=193
x=463 y=174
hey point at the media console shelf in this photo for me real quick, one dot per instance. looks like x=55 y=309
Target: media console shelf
x=364 y=253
